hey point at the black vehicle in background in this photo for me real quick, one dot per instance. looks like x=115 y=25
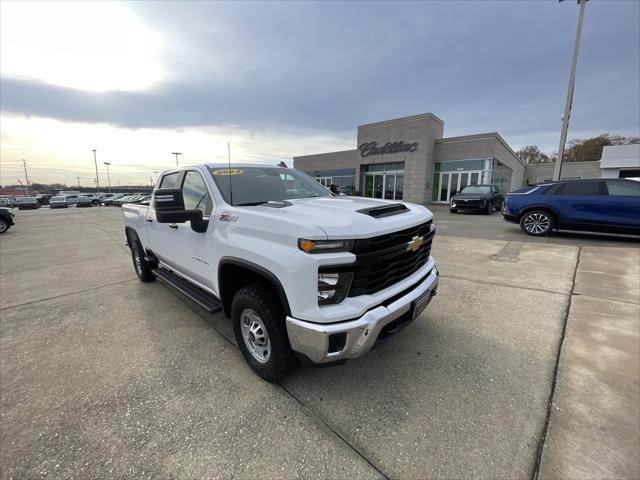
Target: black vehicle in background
x=43 y=199
x=6 y=219
x=28 y=203
x=483 y=198
x=84 y=201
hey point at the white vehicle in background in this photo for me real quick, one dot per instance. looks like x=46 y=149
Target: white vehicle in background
x=302 y=273
x=62 y=201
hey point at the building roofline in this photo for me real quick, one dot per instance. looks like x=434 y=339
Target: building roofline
x=352 y=150
x=402 y=120
x=478 y=136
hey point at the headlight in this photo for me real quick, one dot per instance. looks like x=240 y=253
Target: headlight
x=333 y=287
x=321 y=246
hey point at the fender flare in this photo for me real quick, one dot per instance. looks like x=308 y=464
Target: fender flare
x=260 y=270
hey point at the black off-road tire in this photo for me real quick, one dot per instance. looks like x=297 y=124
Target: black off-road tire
x=141 y=265
x=537 y=223
x=262 y=299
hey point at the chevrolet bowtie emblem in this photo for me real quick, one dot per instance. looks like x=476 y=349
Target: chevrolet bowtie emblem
x=415 y=243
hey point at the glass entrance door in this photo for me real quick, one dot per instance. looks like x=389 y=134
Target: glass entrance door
x=453 y=182
x=389 y=186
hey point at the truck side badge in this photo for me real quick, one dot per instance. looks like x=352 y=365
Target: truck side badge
x=228 y=218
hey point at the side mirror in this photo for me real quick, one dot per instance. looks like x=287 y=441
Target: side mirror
x=169 y=206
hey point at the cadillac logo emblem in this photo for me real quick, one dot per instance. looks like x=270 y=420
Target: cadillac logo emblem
x=415 y=243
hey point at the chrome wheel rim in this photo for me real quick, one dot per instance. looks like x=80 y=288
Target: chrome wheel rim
x=255 y=336
x=536 y=223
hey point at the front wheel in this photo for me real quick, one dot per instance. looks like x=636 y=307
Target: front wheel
x=489 y=209
x=537 y=223
x=453 y=210
x=259 y=326
x=4 y=225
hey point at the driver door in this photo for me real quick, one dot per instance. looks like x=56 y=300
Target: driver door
x=192 y=252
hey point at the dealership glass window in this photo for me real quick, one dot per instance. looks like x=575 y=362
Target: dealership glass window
x=458 y=165
x=444 y=187
x=501 y=176
x=384 y=167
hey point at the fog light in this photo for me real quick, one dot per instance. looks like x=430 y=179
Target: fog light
x=333 y=287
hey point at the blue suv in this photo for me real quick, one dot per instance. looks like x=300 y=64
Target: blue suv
x=603 y=205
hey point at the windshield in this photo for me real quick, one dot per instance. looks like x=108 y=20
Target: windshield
x=58 y=198
x=256 y=185
x=26 y=199
x=477 y=189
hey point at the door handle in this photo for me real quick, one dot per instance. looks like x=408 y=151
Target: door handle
x=173 y=225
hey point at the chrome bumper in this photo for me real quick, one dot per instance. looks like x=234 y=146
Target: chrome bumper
x=312 y=339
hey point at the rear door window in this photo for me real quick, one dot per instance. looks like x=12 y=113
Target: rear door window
x=169 y=180
x=624 y=189
x=580 y=188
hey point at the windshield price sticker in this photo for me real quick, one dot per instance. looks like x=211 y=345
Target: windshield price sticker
x=226 y=171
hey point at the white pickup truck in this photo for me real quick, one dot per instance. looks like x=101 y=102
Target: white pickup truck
x=304 y=274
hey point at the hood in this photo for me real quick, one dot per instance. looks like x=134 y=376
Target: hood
x=341 y=217
x=470 y=196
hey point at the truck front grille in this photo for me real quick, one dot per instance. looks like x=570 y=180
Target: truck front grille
x=385 y=260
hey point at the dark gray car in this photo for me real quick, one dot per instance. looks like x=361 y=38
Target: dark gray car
x=483 y=198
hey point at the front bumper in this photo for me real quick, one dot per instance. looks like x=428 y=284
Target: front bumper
x=315 y=341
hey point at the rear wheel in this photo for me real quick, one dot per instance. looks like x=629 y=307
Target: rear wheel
x=537 y=223
x=141 y=265
x=259 y=326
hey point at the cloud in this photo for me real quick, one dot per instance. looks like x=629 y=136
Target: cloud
x=311 y=70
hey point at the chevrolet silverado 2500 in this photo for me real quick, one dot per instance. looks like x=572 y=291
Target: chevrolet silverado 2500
x=303 y=274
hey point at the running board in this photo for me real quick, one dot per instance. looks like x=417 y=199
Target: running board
x=206 y=300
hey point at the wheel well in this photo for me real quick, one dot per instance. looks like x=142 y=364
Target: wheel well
x=234 y=276
x=549 y=210
x=131 y=235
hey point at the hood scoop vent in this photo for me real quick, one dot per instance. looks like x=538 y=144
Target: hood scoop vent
x=385 y=211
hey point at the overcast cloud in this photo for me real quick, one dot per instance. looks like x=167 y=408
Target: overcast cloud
x=305 y=68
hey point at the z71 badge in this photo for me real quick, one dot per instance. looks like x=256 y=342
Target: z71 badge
x=225 y=217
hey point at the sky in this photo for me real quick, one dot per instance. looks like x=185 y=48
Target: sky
x=138 y=80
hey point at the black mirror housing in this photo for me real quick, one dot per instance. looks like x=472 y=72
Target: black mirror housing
x=169 y=206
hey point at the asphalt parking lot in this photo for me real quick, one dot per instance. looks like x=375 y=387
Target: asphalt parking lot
x=102 y=375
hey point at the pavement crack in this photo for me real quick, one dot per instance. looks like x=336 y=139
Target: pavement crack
x=545 y=428
x=65 y=294
x=485 y=282
x=307 y=409
x=336 y=433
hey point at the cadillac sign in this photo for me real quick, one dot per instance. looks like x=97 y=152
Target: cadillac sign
x=372 y=148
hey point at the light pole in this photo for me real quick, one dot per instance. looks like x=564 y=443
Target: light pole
x=568 y=102
x=108 y=177
x=96 y=163
x=176 y=154
x=26 y=177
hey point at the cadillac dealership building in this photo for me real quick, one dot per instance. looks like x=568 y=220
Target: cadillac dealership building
x=409 y=158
